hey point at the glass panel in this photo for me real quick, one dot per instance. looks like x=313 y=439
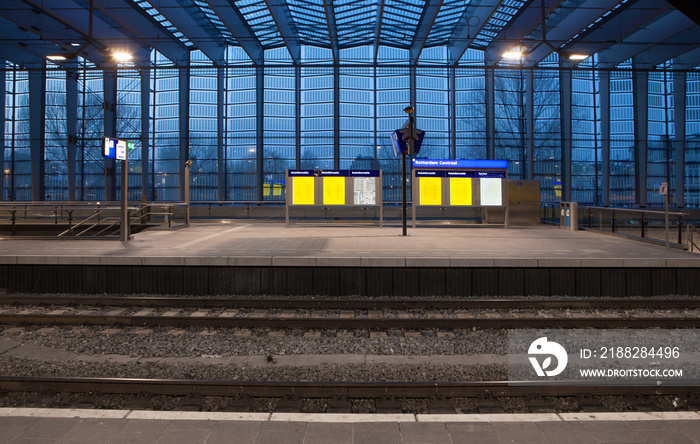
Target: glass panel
x=203 y=130
x=393 y=95
x=586 y=151
x=692 y=147
x=470 y=108
x=129 y=128
x=660 y=155
x=546 y=153
x=165 y=134
x=90 y=159
x=55 y=144
x=240 y=131
x=17 y=171
x=622 y=172
x=280 y=142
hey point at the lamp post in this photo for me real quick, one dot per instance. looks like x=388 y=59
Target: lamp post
x=410 y=142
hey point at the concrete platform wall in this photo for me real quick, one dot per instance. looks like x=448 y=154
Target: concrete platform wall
x=345 y=281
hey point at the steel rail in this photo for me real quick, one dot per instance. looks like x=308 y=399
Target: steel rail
x=368 y=303
x=353 y=323
x=178 y=387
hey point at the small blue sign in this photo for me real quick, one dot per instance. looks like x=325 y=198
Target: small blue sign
x=450 y=163
x=499 y=174
x=341 y=173
x=460 y=173
x=303 y=173
x=364 y=173
x=431 y=173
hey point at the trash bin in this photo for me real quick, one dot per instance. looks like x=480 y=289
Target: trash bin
x=568 y=219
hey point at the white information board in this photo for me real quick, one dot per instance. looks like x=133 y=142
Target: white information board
x=491 y=191
x=365 y=190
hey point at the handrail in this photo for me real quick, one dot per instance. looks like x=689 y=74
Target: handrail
x=637 y=210
x=690 y=238
x=97 y=213
x=643 y=215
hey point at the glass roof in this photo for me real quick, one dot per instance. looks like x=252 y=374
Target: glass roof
x=500 y=18
x=153 y=12
x=260 y=20
x=310 y=19
x=355 y=20
x=447 y=20
x=400 y=21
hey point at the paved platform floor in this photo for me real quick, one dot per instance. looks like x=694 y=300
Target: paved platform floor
x=117 y=426
x=271 y=244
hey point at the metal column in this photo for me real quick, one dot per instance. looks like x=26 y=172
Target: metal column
x=259 y=128
x=297 y=115
x=110 y=124
x=2 y=136
x=679 y=90
x=453 y=111
x=336 y=117
x=184 y=123
x=220 y=123
x=605 y=136
x=566 y=145
x=72 y=129
x=640 y=88
x=145 y=132
x=529 y=124
x=37 y=116
x=490 y=99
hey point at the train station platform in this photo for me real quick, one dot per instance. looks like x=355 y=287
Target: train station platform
x=122 y=426
x=328 y=259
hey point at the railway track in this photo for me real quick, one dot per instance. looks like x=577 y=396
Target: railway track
x=374 y=314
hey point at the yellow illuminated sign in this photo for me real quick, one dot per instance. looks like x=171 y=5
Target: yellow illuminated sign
x=460 y=191
x=334 y=191
x=303 y=191
x=430 y=190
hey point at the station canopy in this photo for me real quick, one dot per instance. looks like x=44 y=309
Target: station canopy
x=651 y=32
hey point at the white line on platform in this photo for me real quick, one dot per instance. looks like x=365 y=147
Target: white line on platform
x=64 y=413
x=211 y=236
x=200 y=416
x=344 y=417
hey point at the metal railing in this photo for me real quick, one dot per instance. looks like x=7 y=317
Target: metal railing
x=638 y=223
x=92 y=218
x=691 y=232
x=631 y=222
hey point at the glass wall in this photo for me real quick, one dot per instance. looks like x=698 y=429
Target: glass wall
x=324 y=114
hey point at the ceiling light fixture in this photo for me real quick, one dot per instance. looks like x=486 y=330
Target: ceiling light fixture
x=121 y=56
x=57 y=57
x=578 y=56
x=514 y=54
